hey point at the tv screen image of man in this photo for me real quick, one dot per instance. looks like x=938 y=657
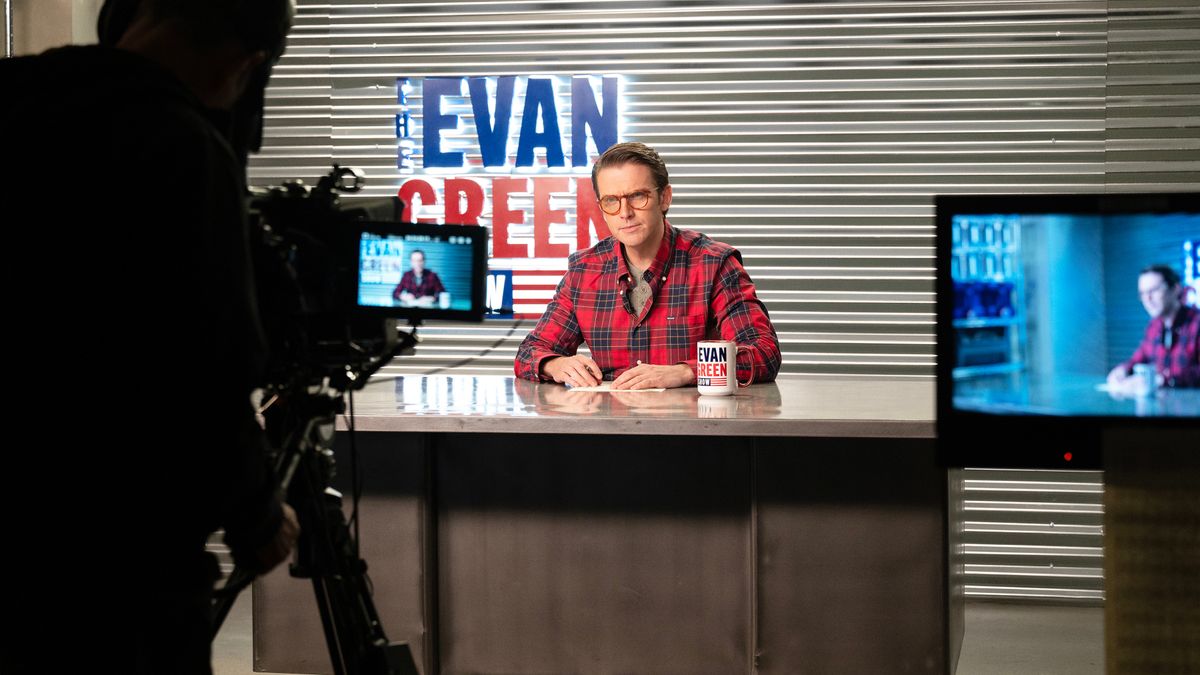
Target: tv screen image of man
x=141 y=338
x=644 y=297
x=1171 y=343
x=419 y=286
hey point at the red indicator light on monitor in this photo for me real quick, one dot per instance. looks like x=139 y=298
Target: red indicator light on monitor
x=1067 y=456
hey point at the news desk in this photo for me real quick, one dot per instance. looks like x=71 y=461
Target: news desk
x=513 y=527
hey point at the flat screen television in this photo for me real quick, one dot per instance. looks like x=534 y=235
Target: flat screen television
x=1045 y=313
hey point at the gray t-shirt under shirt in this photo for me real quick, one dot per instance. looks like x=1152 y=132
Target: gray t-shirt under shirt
x=639 y=291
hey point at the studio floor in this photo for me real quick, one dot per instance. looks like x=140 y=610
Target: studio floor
x=1001 y=638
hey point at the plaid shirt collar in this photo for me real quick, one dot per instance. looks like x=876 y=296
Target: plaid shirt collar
x=658 y=270
x=1182 y=315
x=1158 y=327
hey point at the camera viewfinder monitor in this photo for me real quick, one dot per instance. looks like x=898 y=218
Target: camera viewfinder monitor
x=420 y=271
x=1061 y=316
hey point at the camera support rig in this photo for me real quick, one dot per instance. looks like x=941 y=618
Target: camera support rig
x=300 y=423
x=324 y=346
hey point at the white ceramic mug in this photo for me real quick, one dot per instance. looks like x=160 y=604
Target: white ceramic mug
x=716 y=367
x=1145 y=379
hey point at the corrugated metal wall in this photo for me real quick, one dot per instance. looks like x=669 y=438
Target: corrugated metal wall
x=812 y=136
x=1152 y=126
x=1034 y=535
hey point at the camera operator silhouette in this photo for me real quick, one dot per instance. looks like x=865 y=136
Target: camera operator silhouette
x=144 y=437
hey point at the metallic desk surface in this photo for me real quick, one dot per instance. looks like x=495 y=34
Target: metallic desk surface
x=841 y=407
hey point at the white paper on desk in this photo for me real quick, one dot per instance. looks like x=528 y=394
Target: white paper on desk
x=605 y=387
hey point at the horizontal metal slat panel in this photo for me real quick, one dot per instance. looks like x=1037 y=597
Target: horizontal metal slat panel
x=1033 y=535
x=1152 y=99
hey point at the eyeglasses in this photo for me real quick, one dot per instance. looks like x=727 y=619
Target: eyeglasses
x=1151 y=291
x=611 y=204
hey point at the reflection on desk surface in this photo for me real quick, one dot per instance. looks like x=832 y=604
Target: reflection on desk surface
x=841 y=407
x=1068 y=394
x=506 y=396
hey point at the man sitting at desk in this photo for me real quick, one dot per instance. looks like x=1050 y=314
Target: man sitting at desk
x=418 y=287
x=645 y=296
x=1172 y=340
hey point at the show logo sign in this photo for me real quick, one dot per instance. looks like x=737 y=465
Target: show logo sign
x=513 y=153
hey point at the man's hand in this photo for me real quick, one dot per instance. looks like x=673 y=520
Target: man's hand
x=280 y=547
x=1117 y=377
x=646 y=376
x=577 y=371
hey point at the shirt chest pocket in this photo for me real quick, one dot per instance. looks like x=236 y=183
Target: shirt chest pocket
x=684 y=331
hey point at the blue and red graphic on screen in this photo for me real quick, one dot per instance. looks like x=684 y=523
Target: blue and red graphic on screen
x=386 y=266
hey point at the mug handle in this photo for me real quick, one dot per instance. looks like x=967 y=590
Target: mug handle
x=748 y=382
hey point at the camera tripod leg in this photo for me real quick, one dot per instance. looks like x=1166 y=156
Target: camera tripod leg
x=353 y=632
x=326 y=552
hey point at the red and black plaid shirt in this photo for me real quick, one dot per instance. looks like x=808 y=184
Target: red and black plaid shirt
x=699 y=290
x=430 y=284
x=1175 y=353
